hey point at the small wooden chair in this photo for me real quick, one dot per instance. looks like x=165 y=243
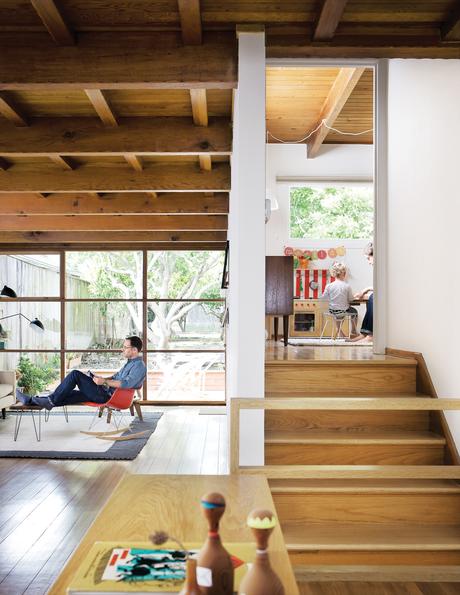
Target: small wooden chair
x=122 y=399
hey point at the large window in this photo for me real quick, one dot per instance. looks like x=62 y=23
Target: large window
x=341 y=210
x=171 y=299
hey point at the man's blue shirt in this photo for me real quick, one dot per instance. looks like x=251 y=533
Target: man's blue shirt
x=132 y=374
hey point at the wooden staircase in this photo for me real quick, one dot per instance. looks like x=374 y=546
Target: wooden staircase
x=362 y=469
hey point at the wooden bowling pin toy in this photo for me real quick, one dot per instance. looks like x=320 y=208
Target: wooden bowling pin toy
x=214 y=566
x=190 y=586
x=261 y=579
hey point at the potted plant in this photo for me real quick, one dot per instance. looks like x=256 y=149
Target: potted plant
x=33 y=378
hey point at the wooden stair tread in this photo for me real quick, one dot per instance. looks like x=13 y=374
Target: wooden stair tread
x=364 y=486
x=394 y=403
x=298 y=395
x=383 y=360
x=372 y=573
x=318 y=436
x=355 y=471
x=370 y=536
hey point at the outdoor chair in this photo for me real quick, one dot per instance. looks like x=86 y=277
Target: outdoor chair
x=121 y=400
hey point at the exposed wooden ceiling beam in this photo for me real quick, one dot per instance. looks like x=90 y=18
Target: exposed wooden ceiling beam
x=450 y=30
x=113 y=222
x=190 y=20
x=4 y=164
x=113 y=204
x=105 y=238
x=134 y=161
x=296 y=46
x=110 y=242
x=62 y=162
x=10 y=112
x=329 y=18
x=154 y=177
x=205 y=162
x=199 y=107
x=102 y=107
x=128 y=60
x=341 y=90
x=141 y=136
x=54 y=21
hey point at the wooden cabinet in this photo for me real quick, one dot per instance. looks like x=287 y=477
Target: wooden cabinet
x=279 y=290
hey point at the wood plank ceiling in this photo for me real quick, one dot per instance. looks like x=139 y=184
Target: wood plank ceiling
x=298 y=99
x=115 y=117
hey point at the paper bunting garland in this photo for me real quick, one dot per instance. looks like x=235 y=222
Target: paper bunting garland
x=303 y=256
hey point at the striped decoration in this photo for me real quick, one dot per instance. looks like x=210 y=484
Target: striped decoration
x=303 y=278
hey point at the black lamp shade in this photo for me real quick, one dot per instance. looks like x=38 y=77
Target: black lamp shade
x=8 y=292
x=36 y=325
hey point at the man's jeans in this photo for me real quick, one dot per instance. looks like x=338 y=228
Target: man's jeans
x=65 y=393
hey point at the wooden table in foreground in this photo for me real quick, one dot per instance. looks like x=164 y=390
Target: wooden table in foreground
x=142 y=504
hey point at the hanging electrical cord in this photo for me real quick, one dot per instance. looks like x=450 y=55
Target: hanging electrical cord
x=322 y=123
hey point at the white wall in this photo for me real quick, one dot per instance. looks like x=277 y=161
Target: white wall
x=246 y=232
x=334 y=161
x=424 y=216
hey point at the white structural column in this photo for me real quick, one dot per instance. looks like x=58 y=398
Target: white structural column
x=246 y=294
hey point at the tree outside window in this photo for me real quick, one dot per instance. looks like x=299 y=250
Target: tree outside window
x=332 y=211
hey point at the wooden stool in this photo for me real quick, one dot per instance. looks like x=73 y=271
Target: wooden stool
x=20 y=410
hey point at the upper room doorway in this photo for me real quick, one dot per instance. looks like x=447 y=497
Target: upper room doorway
x=321 y=206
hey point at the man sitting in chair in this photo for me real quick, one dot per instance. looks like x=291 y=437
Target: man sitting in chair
x=91 y=387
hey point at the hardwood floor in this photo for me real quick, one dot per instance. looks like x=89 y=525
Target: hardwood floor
x=47 y=506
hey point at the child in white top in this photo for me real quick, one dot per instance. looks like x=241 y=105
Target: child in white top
x=340 y=294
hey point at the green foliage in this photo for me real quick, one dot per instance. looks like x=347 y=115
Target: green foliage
x=333 y=212
x=34 y=378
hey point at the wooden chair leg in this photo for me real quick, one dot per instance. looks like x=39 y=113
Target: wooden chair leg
x=139 y=411
x=100 y=412
x=131 y=410
x=109 y=415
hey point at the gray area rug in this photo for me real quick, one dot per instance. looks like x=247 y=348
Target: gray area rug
x=62 y=440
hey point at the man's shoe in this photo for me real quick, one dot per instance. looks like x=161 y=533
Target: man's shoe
x=22 y=398
x=42 y=402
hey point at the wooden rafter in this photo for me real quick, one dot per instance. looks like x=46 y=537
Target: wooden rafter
x=113 y=222
x=205 y=162
x=54 y=21
x=105 y=238
x=450 y=30
x=114 y=204
x=138 y=135
x=199 y=107
x=190 y=20
x=132 y=60
x=344 y=84
x=155 y=177
x=10 y=112
x=134 y=161
x=329 y=18
x=62 y=162
x=102 y=107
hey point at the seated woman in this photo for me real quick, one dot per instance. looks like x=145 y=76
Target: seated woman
x=340 y=294
x=367 y=326
x=78 y=387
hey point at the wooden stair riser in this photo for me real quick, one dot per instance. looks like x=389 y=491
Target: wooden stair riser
x=356 y=558
x=346 y=420
x=367 y=508
x=339 y=379
x=343 y=454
